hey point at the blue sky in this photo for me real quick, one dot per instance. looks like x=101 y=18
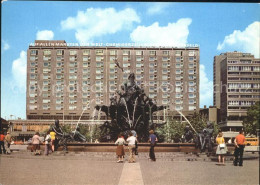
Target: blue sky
x=216 y=27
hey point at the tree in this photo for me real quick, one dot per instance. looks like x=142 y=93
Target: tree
x=171 y=131
x=251 y=121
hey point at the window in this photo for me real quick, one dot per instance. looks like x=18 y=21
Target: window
x=164 y=101
x=86 y=64
x=178 y=53
x=165 y=52
x=46 y=101
x=112 y=52
x=178 y=59
x=191 y=89
x=191 y=102
x=165 y=58
x=126 y=52
x=46 y=52
x=86 y=70
x=191 y=83
x=73 y=52
x=58 y=58
x=151 y=58
x=72 y=107
x=32 y=76
x=151 y=77
x=177 y=95
x=32 y=70
x=125 y=58
x=178 y=71
x=32 y=64
x=164 y=65
x=139 y=65
x=192 y=96
x=191 y=59
x=32 y=58
x=99 y=52
x=45 y=107
x=59 y=71
x=191 y=65
x=138 y=58
x=72 y=59
x=59 y=64
x=59 y=107
x=152 y=52
x=178 y=84
x=164 y=71
x=99 y=58
x=34 y=52
x=139 y=52
x=191 y=71
x=99 y=64
x=60 y=52
x=86 y=52
x=112 y=70
x=85 y=58
x=192 y=107
x=164 y=77
x=178 y=107
x=191 y=53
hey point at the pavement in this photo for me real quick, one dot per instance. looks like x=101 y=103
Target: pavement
x=21 y=167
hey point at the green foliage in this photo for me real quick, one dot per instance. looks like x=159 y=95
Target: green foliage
x=171 y=131
x=198 y=121
x=251 y=121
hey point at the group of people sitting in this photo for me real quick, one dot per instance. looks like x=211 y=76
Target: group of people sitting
x=132 y=146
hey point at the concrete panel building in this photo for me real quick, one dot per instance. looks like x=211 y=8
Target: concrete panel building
x=64 y=80
x=236 y=87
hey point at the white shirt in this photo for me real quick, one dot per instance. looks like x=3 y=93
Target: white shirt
x=131 y=140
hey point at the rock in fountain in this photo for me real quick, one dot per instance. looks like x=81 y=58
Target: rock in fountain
x=132 y=110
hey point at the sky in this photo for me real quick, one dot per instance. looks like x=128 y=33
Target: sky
x=215 y=27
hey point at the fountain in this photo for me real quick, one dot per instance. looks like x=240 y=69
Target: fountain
x=131 y=110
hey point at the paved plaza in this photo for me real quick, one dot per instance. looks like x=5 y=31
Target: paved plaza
x=21 y=167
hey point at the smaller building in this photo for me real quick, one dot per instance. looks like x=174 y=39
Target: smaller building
x=212 y=113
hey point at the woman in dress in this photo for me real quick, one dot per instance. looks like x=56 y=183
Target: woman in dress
x=221 y=148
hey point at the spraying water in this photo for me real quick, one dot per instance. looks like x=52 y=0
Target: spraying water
x=81 y=116
x=187 y=121
x=135 y=108
x=127 y=111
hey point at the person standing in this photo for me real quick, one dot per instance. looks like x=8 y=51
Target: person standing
x=136 y=144
x=152 y=139
x=239 y=150
x=2 y=145
x=7 y=141
x=47 y=143
x=131 y=146
x=120 y=152
x=36 y=143
x=52 y=134
x=221 y=148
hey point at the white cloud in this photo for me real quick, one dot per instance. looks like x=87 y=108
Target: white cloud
x=96 y=22
x=6 y=46
x=245 y=41
x=44 y=35
x=19 y=71
x=156 y=8
x=206 y=88
x=173 y=34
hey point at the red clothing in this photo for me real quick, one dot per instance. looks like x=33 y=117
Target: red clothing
x=240 y=139
x=2 y=137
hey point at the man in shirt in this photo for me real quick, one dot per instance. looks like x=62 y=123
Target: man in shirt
x=7 y=141
x=240 y=145
x=131 y=146
x=2 y=137
x=152 y=139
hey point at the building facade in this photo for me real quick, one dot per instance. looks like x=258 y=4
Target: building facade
x=236 y=87
x=65 y=82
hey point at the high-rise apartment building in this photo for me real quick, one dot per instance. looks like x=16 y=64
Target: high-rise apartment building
x=63 y=80
x=236 y=87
